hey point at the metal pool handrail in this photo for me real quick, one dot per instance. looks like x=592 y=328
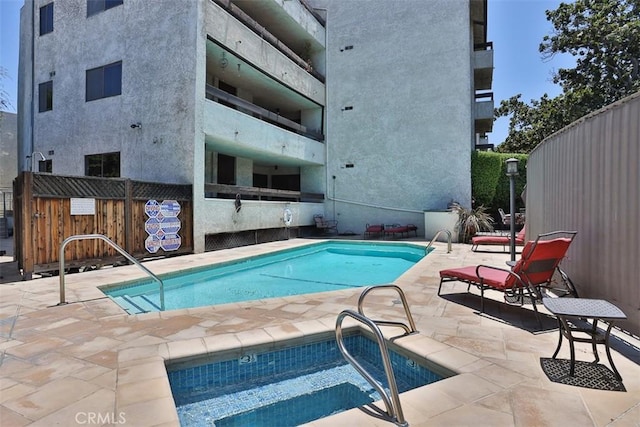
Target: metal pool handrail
x=393 y=411
x=408 y=329
x=116 y=247
x=438 y=235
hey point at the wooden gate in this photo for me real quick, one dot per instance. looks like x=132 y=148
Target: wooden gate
x=49 y=208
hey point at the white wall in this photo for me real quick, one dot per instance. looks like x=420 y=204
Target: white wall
x=158 y=82
x=408 y=79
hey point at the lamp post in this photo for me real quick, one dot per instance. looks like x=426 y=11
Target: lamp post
x=512 y=172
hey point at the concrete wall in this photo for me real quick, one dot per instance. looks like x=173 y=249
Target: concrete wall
x=399 y=109
x=247 y=136
x=586 y=178
x=8 y=144
x=158 y=87
x=223 y=218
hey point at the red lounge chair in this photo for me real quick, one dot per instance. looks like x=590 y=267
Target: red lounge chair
x=498 y=240
x=532 y=272
x=371 y=230
x=400 y=229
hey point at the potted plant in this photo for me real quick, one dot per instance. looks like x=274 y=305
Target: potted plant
x=470 y=221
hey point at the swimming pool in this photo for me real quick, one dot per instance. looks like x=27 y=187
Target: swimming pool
x=286 y=387
x=320 y=267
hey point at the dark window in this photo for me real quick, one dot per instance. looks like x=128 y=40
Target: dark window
x=226 y=169
x=46 y=19
x=45 y=166
x=96 y=6
x=286 y=182
x=103 y=82
x=231 y=90
x=260 y=180
x=45 y=96
x=105 y=165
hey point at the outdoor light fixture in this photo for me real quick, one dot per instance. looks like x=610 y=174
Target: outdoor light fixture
x=137 y=125
x=512 y=172
x=42 y=158
x=512 y=167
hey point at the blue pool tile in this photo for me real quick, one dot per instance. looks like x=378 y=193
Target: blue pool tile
x=229 y=390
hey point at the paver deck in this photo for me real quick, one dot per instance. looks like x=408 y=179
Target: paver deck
x=87 y=362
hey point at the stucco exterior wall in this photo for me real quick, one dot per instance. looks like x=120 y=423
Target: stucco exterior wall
x=158 y=73
x=399 y=116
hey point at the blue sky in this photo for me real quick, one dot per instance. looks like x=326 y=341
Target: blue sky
x=516 y=28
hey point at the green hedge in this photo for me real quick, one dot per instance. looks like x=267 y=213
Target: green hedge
x=489 y=181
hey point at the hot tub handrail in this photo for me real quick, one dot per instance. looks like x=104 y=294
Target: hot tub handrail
x=438 y=235
x=393 y=411
x=116 y=247
x=408 y=329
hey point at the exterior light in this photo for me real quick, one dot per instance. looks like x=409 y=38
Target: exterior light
x=512 y=172
x=512 y=167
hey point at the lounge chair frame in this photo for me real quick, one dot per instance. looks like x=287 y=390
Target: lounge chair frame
x=393 y=229
x=325 y=225
x=373 y=230
x=526 y=281
x=503 y=241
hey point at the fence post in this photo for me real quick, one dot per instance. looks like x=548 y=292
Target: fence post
x=128 y=216
x=28 y=248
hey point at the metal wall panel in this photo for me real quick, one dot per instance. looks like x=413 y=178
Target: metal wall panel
x=586 y=177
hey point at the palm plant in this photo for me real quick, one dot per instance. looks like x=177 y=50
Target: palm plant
x=470 y=221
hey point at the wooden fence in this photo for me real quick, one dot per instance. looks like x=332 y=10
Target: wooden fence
x=49 y=208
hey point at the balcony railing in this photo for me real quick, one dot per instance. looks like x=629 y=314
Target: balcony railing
x=223 y=191
x=218 y=95
x=484 y=96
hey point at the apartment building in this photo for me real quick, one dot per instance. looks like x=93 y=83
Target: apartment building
x=364 y=111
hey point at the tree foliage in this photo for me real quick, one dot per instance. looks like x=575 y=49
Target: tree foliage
x=4 y=96
x=604 y=38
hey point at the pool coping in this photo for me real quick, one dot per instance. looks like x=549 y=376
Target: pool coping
x=152 y=360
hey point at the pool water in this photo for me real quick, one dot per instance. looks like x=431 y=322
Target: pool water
x=287 y=387
x=321 y=267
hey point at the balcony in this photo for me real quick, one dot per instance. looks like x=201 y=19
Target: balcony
x=220 y=96
x=236 y=130
x=483 y=110
x=284 y=35
x=483 y=66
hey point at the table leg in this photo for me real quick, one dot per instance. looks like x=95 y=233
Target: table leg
x=559 y=339
x=567 y=330
x=606 y=346
x=594 y=335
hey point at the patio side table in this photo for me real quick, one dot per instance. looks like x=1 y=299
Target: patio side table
x=582 y=308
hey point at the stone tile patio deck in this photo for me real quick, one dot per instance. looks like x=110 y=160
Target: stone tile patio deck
x=87 y=363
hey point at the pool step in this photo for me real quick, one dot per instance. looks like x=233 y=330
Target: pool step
x=337 y=385
x=300 y=409
x=136 y=304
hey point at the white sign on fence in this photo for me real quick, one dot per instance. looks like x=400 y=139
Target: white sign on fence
x=83 y=206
